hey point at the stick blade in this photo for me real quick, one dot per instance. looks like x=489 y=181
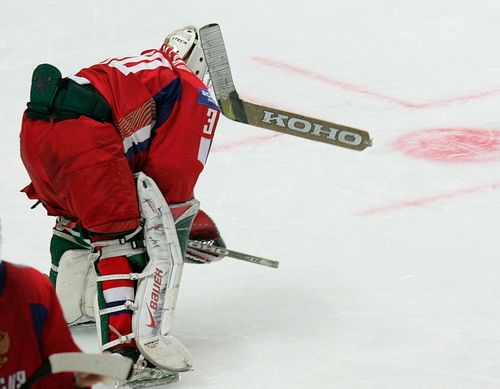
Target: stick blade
x=106 y=365
x=215 y=53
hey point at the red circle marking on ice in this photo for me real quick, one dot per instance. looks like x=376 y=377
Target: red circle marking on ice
x=452 y=145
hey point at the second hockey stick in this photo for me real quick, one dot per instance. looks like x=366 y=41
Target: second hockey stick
x=105 y=365
x=211 y=249
x=270 y=118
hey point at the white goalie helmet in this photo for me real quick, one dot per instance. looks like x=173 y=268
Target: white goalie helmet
x=186 y=42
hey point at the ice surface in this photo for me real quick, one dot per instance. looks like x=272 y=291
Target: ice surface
x=390 y=263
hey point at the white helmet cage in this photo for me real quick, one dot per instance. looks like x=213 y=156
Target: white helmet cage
x=186 y=42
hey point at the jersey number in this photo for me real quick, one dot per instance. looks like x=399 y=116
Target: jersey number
x=211 y=119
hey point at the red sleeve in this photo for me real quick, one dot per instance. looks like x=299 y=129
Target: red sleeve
x=32 y=326
x=56 y=338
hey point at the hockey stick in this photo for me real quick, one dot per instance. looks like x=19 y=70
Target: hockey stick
x=270 y=118
x=105 y=365
x=232 y=254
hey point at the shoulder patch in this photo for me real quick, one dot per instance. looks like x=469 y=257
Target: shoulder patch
x=205 y=98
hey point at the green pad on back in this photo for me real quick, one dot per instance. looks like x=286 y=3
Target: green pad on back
x=44 y=85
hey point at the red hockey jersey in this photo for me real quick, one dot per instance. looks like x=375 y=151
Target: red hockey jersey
x=32 y=328
x=143 y=92
x=164 y=120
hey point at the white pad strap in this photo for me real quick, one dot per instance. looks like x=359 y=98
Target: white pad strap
x=69 y=235
x=119 y=241
x=127 y=305
x=126 y=249
x=120 y=340
x=129 y=276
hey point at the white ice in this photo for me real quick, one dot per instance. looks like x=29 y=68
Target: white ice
x=390 y=265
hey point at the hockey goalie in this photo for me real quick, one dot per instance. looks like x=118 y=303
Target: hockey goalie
x=114 y=151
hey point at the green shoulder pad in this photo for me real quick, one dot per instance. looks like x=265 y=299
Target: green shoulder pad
x=44 y=85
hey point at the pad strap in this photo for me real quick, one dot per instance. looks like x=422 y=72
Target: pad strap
x=71 y=235
x=125 y=250
x=121 y=241
x=121 y=339
x=129 y=276
x=127 y=305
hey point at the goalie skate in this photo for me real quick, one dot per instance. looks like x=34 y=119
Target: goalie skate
x=149 y=382
x=142 y=373
x=147 y=377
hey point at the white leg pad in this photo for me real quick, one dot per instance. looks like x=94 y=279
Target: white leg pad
x=156 y=295
x=76 y=286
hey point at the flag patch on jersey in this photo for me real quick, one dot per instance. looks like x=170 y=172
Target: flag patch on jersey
x=205 y=98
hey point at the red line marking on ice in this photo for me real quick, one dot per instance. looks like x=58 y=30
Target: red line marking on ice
x=371 y=93
x=427 y=200
x=451 y=145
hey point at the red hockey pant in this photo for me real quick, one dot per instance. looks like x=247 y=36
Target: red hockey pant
x=78 y=168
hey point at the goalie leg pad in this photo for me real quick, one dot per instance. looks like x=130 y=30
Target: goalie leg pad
x=76 y=286
x=156 y=295
x=74 y=277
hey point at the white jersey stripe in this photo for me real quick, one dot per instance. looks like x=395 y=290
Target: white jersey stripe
x=137 y=137
x=143 y=62
x=204 y=149
x=79 y=80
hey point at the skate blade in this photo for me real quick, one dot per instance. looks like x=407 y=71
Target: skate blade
x=155 y=382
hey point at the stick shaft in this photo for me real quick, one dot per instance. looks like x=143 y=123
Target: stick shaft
x=232 y=254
